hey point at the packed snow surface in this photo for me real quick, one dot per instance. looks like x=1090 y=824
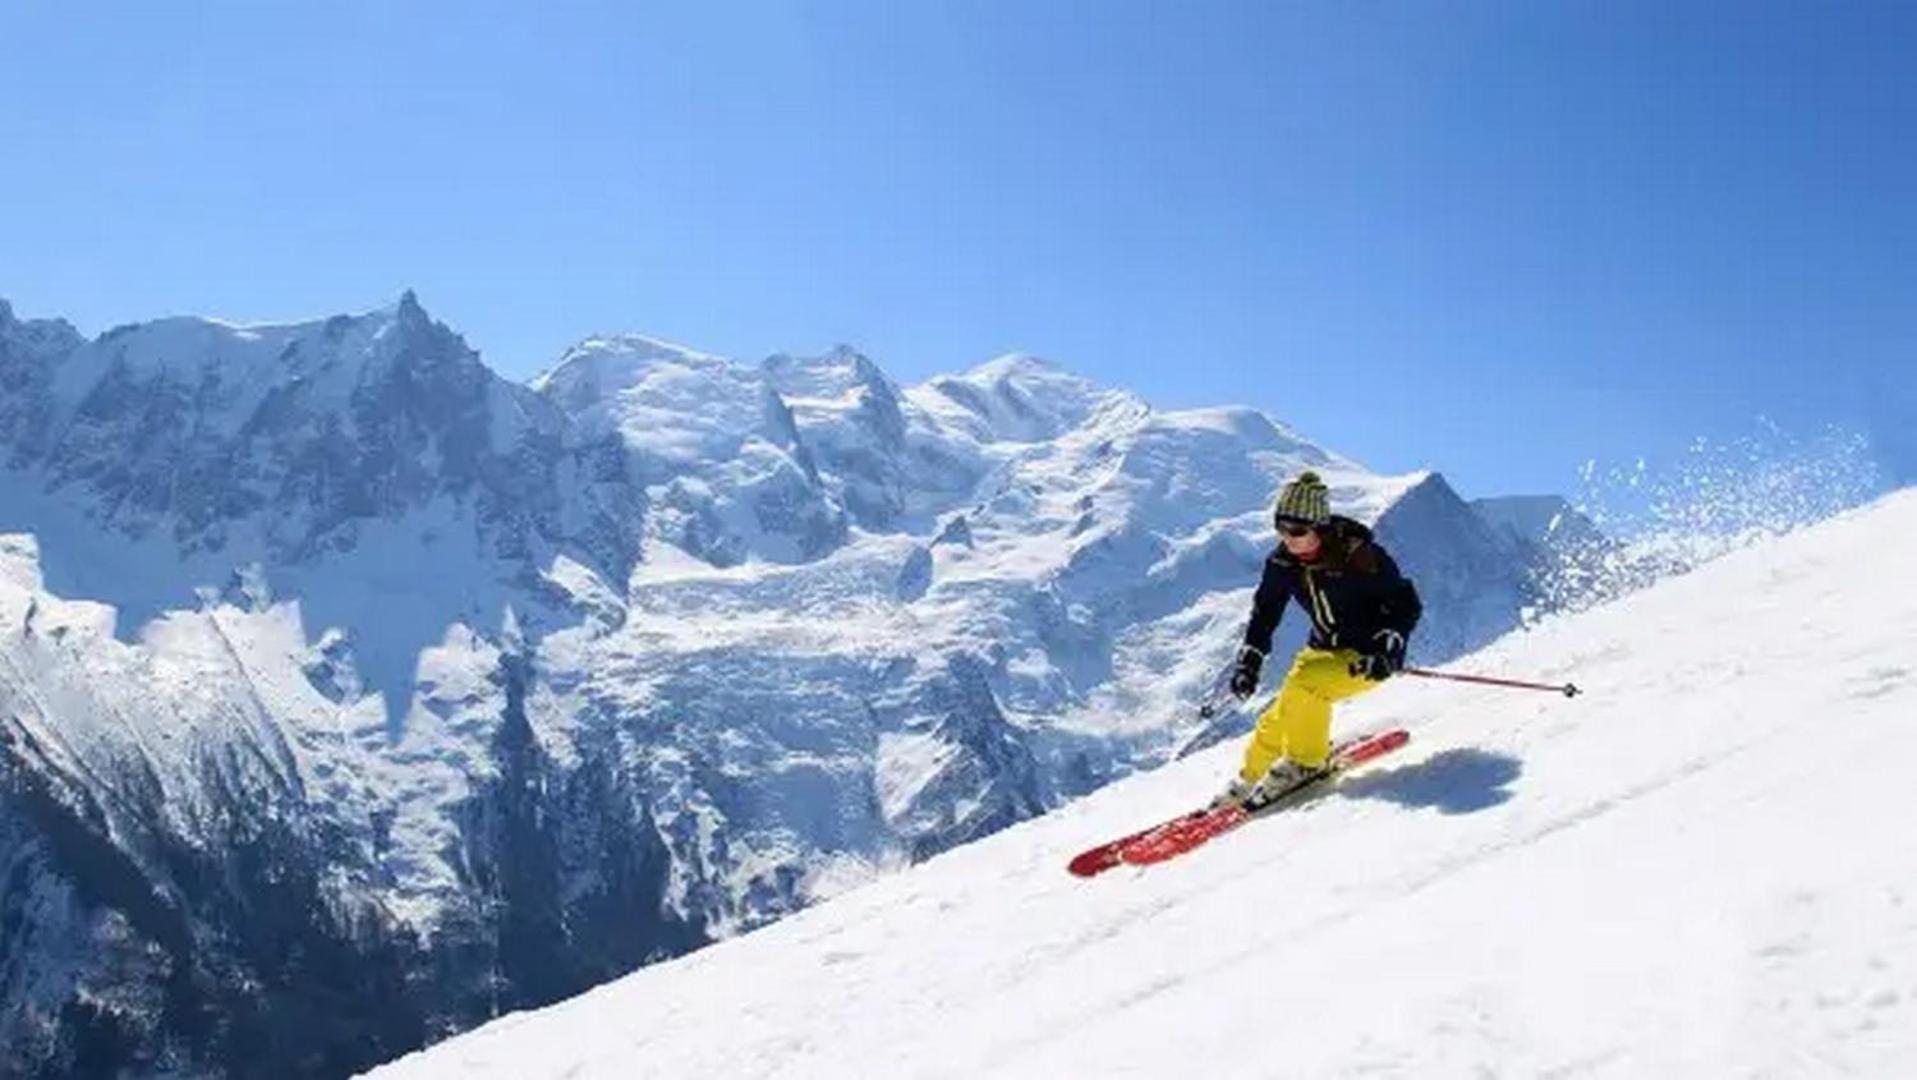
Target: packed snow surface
x=1702 y=867
x=1699 y=868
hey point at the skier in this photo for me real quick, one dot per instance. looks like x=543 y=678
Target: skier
x=1362 y=614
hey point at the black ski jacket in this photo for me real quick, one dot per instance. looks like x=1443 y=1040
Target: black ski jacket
x=1352 y=591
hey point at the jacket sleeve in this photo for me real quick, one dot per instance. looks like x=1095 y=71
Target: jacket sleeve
x=1399 y=597
x=1268 y=604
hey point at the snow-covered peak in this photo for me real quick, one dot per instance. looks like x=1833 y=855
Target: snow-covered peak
x=34 y=340
x=1017 y=367
x=1252 y=431
x=842 y=373
x=234 y=366
x=665 y=400
x=408 y=307
x=272 y=437
x=1014 y=398
x=1171 y=472
x=181 y=347
x=606 y=364
x=709 y=441
x=1464 y=568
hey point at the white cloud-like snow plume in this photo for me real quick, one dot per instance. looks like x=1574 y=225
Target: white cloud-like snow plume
x=1633 y=523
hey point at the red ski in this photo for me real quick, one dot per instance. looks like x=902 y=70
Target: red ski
x=1187 y=831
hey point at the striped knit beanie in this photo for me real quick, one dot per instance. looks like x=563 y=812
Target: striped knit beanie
x=1304 y=499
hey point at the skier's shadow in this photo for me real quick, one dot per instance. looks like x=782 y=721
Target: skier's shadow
x=1461 y=781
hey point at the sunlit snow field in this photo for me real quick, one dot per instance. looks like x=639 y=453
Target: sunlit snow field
x=1699 y=868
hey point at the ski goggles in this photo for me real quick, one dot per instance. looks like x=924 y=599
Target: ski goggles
x=1295 y=527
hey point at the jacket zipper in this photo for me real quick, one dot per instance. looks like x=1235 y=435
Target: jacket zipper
x=1320 y=609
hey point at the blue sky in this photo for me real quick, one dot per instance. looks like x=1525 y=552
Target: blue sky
x=1496 y=239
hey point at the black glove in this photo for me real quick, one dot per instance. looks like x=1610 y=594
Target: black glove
x=1384 y=659
x=1244 y=680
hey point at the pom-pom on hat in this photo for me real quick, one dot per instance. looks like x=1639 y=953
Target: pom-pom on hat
x=1304 y=499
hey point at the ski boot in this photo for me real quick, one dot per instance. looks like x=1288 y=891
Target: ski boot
x=1284 y=778
x=1235 y=794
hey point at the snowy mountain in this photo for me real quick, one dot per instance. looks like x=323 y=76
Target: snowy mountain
x=351 y=695
x=1538 y=520
x=1691 y=870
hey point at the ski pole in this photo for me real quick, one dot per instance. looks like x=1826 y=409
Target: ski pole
x=1567 y=689
x=1218 y=697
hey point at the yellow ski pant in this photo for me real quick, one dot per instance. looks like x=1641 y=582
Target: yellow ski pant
x=1297 y=724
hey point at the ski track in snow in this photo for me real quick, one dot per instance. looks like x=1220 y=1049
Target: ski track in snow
x=1698 y=868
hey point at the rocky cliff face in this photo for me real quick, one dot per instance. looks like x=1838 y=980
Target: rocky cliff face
x=350 y=694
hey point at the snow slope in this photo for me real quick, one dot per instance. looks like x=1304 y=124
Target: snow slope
x=1699 y=868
